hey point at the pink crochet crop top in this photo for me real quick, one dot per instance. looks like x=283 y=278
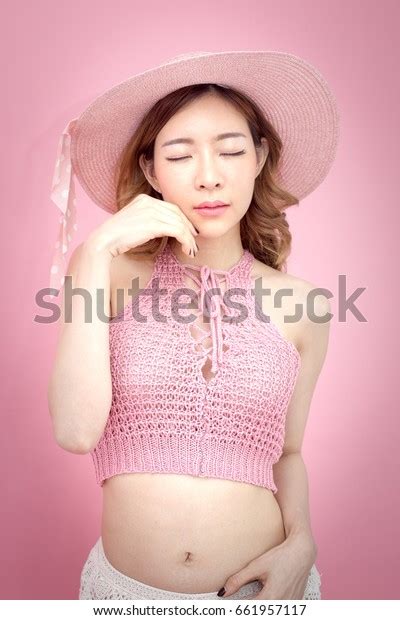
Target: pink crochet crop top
x=169 y=413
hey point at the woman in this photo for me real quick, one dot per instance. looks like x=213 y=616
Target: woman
x=195 y=426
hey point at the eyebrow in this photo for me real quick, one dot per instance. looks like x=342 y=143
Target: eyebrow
x=220 y=136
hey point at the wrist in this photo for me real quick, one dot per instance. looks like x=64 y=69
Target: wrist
x=304 y=540
x=96 y=245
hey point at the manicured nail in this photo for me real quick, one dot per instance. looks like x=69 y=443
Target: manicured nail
x=221 y=592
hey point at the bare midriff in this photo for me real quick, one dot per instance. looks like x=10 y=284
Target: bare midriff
x=185 y=533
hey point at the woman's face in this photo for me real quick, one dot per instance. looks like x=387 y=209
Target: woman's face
x=209 y=169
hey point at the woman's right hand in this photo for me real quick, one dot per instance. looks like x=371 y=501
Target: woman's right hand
x=143 y=219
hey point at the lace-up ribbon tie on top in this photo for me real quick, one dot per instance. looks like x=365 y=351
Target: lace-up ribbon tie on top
x=213 y=303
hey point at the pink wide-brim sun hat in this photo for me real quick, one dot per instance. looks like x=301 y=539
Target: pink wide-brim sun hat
x=293 y=95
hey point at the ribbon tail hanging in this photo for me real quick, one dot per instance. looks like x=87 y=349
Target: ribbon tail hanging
x=64 y=198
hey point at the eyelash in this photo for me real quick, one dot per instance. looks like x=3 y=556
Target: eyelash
x=227 y=154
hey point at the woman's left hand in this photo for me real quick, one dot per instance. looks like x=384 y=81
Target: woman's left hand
x=282 y=570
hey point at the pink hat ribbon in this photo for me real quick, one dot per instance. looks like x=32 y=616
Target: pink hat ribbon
x=63 y=196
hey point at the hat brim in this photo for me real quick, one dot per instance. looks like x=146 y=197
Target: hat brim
x=293 y=95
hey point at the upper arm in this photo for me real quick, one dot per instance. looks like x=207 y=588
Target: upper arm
x=71 y=270
x=314 y=345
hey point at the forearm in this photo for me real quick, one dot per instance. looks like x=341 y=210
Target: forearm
x=291 y=479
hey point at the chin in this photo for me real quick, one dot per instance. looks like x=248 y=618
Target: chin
x=214 y=232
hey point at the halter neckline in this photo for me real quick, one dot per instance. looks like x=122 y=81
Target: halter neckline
x=227 y=272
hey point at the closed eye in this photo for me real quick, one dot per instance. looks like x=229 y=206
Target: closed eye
x=187 y=156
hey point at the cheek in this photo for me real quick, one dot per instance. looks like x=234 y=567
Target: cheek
x=172 y=177
x=243 y=180
x=174 y=185
x=242 y=171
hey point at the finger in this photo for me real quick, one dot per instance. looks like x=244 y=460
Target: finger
x=179 y=212
x=179 y=219
x=236 y=581
x=180 y=232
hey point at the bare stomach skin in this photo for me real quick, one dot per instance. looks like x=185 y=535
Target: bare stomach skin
x=184 y=533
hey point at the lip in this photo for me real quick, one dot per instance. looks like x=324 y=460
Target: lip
x=211 y=205
x=211 y=211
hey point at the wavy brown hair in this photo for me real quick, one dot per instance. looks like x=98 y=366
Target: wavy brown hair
x=264 y=229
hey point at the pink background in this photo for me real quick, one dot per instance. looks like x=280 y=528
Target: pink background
x=61 y=56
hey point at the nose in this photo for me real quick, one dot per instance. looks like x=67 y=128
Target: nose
x=208 y=173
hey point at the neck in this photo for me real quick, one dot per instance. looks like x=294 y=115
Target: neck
x=215 y=253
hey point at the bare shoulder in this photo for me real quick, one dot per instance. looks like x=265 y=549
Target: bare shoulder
x=123 y=269
x=122 y=266
x=129 y=266
x=294 y=296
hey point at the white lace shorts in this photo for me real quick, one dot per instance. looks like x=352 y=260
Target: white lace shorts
x=101 y=581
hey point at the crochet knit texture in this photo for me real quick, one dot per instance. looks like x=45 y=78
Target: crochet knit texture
x=194 y=396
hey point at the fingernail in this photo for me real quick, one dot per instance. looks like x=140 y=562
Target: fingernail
x=221 y=592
